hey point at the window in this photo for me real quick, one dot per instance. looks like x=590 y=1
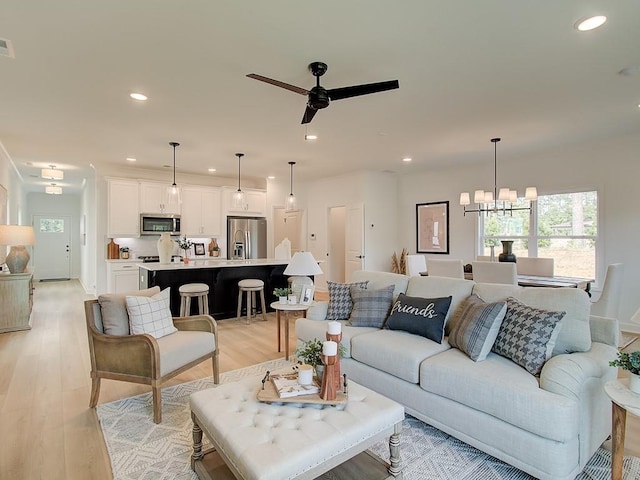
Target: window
x=561 y=226
x=52 y=225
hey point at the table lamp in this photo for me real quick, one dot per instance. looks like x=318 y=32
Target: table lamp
x=17 y=236
x=302 y=265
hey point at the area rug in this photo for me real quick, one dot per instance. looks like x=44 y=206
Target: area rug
x=141 y=450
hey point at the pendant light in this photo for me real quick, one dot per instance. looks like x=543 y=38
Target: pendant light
x=238 y=196
x=172 y=194
x=291 y=199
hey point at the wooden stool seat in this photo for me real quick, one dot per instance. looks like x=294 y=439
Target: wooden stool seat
x=190 y=290
x=251 y=286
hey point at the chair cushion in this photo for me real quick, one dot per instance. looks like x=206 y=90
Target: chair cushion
x=370 y=307
x=527 y=335
x=113 y=308
x=193 y=288
x=420 y=316
x=183 y=347
x=151 y=315
x=476 y=327
x=340 y=303
x=250 y=283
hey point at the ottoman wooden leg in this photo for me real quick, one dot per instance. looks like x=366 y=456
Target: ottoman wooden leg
x=395 y=467
x=197 y=443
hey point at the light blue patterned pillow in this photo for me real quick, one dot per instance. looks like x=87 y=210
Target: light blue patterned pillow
x=527 y=335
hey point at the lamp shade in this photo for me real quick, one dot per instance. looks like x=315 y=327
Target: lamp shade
x=16 y=235
x=303 y=264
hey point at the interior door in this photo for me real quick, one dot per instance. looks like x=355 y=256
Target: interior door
x=287 y=225
x=52 y=251
x=354 y=240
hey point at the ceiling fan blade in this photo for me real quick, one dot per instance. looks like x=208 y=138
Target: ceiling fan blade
x=356 y=90
x=278 y=83
x=308 y=115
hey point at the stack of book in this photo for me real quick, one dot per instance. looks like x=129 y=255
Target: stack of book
x=286 y=384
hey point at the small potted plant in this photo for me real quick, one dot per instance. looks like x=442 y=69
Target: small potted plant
x=311 y=353
x=185 y=244
x=631 y=363
x=282 y=294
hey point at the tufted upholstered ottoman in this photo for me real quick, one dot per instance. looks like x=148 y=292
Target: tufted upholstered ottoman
x=259 y=441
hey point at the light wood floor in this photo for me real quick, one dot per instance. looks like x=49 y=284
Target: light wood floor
x=46 y=427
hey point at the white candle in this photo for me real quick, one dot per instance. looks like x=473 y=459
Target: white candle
x=305 y=374
x=334 y=328
x=329 y=348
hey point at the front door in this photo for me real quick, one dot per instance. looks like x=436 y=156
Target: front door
x=52 y=251
x=354 y=240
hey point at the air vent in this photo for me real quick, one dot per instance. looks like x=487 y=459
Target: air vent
x=6 y=48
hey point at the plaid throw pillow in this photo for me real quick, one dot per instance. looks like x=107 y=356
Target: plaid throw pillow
x=527 y=335
x=151 y=314
x=370 y=307
x=476 y=327
x=340 y=303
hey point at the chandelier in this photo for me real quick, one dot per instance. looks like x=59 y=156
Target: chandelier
x=497 y=201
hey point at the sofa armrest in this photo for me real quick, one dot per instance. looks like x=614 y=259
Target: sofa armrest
x=198 y=323
x=604 y=330
x=318 y=310
x=567 y=374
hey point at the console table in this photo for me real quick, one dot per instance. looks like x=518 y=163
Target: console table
x=16 y=298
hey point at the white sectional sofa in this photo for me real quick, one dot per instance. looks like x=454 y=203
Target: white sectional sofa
x=548 y=426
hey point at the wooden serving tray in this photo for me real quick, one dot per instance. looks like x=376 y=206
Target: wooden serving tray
x=270 y=395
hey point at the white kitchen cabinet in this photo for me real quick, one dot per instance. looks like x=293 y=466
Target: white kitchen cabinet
x=152 y=199
x=200 y=211
x=122 y=277
x=123 y=217
x=255 y=202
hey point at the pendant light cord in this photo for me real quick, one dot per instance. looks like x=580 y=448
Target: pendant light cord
x=495 y=168
x=291 y=178
x=239 y=155
x=174 y=145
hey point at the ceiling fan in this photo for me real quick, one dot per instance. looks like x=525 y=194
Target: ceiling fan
x=319 y=97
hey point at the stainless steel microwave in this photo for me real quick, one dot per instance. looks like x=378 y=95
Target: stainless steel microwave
x=157 y=223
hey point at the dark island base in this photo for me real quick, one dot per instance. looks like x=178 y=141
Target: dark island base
x=223 y=286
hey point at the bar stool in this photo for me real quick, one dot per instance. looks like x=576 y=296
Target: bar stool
x=251 y=286
x=189 y=290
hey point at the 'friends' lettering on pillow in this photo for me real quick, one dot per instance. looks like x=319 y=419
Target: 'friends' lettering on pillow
x=426 y=312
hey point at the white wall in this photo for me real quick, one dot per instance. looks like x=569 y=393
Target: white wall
x=611 y=167
x=16 y=196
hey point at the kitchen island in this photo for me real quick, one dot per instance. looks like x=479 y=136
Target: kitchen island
x=222 y=276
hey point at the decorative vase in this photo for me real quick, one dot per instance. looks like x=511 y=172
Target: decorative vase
x=634 y=383
x=507 y=254
x=185 y=259
x=492 y=255
x=165 y=247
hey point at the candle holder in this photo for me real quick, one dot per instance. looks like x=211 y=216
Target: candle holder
x=336 y=337
x=328 y=388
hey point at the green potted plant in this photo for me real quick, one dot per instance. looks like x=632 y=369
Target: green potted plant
x=282 y=294
x=631 y=363
x=310 y=352
x=185 y=244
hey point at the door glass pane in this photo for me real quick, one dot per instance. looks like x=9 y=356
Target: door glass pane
x=51 y=225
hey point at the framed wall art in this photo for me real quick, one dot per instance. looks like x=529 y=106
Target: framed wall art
x=198 y=248
x=432 y=227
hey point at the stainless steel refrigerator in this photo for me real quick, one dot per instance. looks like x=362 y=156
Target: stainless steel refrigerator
x=246 y=237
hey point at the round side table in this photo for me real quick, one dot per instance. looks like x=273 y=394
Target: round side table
x=287 y=307
x=623 y=400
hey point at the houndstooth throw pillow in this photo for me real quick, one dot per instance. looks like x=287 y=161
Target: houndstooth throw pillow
x=151 y=314
x=370 y=307
x=527 y=335
x=340 y=303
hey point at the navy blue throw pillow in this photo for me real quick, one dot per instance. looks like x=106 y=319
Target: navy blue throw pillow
x=420 y=316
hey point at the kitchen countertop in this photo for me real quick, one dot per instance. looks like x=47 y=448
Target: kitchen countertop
x=210 y=263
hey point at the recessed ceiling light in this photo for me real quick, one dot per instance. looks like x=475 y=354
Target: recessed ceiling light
x=138 y=96
x=271 y=177
x=310 y=136
x=131 y=159
x=586 y=24
x=211 y=170
x=407 y=159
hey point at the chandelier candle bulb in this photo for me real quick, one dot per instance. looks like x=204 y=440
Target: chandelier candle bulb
x=329 y=348
x=334 y=328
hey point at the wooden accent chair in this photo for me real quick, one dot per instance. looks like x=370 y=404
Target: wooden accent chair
x=141 y=358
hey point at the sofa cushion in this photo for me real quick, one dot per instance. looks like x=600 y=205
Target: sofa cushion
x=433 y=287
x=113 y=308
x=395 y=352
x=370 y=307
x=183 y=347
x=501 y=389
x=382 y=279
x=575 y=332
x=151 y=315
x=420 y=316
x=340 y=303
x=527 y=335
x=308 y=329
x=477 y=327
